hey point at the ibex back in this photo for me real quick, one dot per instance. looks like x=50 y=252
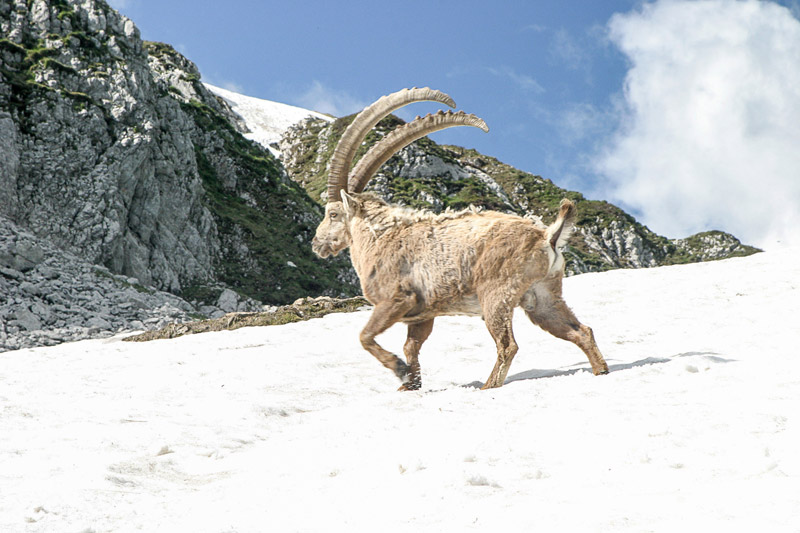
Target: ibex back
x=415 y=266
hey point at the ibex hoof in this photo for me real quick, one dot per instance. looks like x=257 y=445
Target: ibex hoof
x=601 y=372
x=402 y=370
x=410 y=385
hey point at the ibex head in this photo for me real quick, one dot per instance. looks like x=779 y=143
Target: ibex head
x=333 y=234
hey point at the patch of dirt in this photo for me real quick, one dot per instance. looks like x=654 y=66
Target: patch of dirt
x=302 y=309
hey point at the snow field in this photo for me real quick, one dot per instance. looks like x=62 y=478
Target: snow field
x=296 y=428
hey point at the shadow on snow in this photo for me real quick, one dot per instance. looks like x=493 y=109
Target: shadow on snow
x=582 y=367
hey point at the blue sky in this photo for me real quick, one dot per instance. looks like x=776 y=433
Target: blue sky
x=571 y=90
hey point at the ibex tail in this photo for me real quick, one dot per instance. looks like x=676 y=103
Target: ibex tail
x=559 y=231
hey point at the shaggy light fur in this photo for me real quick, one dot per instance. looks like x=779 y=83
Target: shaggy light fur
x=414 y=266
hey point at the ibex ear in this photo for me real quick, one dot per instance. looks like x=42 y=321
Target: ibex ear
x=351 y=204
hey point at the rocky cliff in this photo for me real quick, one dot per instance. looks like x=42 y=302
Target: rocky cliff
x=51 y=296
x=437 y=177
x=112 y=151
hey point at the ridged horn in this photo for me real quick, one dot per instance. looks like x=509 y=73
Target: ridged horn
x=403 y=136
x=366 y=120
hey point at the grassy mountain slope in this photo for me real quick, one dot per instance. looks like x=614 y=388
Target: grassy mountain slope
x=428 y=175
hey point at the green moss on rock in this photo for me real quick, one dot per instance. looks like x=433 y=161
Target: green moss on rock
x=277 y=265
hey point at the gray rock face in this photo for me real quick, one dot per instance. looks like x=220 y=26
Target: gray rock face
x=113 y=152
x=61 y=297
x=9 y=155
x=21 y=255
x=99 y=160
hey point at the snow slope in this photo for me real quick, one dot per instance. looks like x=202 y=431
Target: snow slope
x=296 y=428
x=266 y=120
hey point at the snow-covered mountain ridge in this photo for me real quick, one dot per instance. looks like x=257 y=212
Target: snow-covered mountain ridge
x=266 y=121
x=297 y=428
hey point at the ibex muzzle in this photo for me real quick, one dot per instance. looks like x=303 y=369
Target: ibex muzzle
x=332 y=235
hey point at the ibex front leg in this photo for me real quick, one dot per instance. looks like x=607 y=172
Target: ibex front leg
x=417 y=334
x=385 y=314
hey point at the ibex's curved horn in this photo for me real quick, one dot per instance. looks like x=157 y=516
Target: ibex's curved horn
x=363 y=123
x=403 y=136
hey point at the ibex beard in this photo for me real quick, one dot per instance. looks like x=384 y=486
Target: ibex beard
x=414 y=265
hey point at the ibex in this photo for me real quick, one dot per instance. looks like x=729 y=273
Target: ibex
x=415 y=265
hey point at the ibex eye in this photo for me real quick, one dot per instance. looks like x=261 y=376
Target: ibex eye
x=333 y=215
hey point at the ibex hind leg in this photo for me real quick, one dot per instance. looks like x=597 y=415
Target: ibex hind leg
x=552 y=314
x=383 y=316
x=417 y=334
x=498 y=321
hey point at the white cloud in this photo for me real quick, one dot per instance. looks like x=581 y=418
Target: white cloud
x=120 y=4
x=538 y=28
x=523 y=81
x=325 y=100
x=502 y=72
x=228 y=85
x=711 y=132
x=581 y=121
x=567 y=51
x=233 y=87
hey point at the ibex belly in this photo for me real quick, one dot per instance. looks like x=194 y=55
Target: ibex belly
x=465 y=306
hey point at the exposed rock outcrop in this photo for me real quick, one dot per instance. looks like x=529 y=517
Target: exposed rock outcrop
x=113 y=150
x=51 y=296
